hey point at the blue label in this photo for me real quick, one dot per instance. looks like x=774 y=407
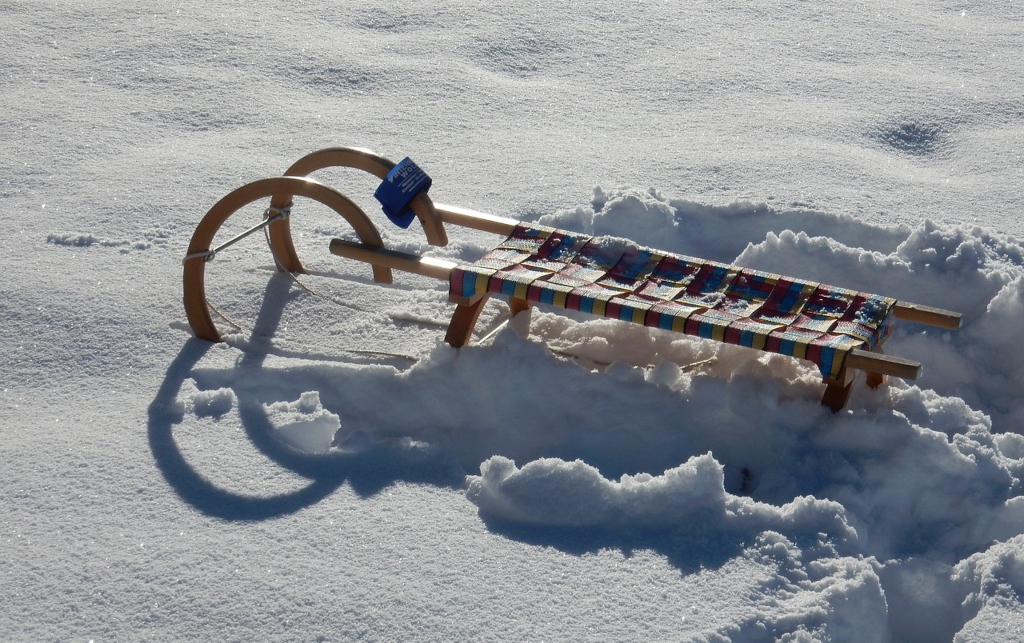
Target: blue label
x=399 y=188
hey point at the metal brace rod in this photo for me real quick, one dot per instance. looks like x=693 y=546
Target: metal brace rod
x=208 y=255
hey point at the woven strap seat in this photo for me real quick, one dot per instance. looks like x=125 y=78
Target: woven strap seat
x=619 y=279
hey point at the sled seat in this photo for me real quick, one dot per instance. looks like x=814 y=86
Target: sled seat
x=619 y=279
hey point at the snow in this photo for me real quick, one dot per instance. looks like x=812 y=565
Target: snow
x=335 y=472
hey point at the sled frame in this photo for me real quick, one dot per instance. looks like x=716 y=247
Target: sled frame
x=433 y=218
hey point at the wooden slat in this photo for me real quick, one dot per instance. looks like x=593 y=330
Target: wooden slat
x=426 y=266
x=883 y=364
x=928 y=315
x=476 y=220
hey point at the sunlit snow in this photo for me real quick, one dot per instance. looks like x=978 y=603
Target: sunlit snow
x=335 y=472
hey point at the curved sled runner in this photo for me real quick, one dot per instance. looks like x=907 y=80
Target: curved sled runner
x=841 y=331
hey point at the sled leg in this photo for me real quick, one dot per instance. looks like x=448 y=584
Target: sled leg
x=837 y=391
x=837 y=395
x=517 y=305
x=875 y=379
x=460 y=329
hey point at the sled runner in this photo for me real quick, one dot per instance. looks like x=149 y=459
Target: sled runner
x=840 y=331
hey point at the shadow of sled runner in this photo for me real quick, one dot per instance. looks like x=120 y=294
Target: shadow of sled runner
x=840 y=331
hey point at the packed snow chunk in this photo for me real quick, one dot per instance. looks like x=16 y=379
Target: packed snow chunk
x=995 y=575
x=948 y=249
x=643 y=217
x=813 y=596
x=689 y=497
x=631 y=213
x=995 y=622
x=304 y=424
x=551 y=491
x=213 y=403
x=637 y=216
x=995 y=349
x=923 y=599
x=994 y=584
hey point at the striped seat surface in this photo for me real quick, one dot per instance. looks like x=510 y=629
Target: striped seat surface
x=617 y=278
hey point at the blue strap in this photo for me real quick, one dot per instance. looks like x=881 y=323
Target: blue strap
x=399 y=188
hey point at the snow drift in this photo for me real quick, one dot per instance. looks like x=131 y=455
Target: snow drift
x=645 y=439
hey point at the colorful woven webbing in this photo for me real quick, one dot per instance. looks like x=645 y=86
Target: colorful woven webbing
x=619 y=279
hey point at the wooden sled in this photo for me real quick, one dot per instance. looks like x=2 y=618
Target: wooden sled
x=840 y=331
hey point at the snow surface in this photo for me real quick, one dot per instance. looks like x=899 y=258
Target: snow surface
x=334 y=472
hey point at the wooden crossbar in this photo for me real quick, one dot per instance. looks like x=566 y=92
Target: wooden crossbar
x=927 y=315
x=476 y=220
x=377 y=256
x=883 y=364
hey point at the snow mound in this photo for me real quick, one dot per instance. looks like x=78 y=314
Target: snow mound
x=304 y=424
x=575 y=494
x=213 y=403
x=717 y=232
x=994 y=582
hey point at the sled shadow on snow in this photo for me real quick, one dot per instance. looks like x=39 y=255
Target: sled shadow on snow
x=368 y=468
x=367 y=474
x=689 y=552
x=369 y=471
